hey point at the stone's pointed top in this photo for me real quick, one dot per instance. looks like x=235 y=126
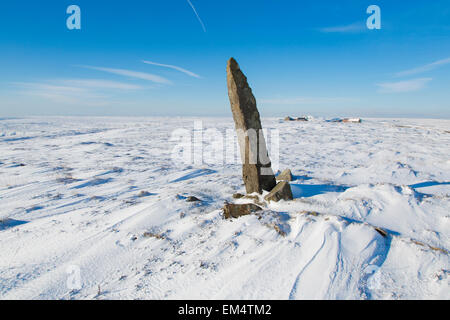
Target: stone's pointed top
x=236 y=76
x=232 y=63
x=286 y=175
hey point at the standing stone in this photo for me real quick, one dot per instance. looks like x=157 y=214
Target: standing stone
x=256 y=166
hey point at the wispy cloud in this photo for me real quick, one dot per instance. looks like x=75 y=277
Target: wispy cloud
x=350 y=28
x=403 y=86
x=89 y=92
x=307 y=100
x=60 y=93
x=173 y=67
x=100 y=84
x=425 y=68
x=45 y=87
x=198 y=17
x=132 y=74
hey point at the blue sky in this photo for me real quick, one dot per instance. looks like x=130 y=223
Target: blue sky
x=162 y=58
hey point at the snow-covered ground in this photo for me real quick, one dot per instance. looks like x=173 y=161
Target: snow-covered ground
x=104 y=197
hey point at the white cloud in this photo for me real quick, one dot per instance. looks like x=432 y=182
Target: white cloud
x=425 y=68
x=132 y=74
x=45 y=87
x=306 y=100
x=100 y=84
x=403 y=86
x=64 y=94
x=89 y=92
x=173 y=67
x=350 y=28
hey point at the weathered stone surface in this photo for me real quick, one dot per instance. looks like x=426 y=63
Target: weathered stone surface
x=252 y=197
x=352 y=120
x=144 y=194
x=286 y=175
x=193 y=199
x=281 y=192
x=310 y=213
x=381 y=231
x=255 y=198
x=238 y=210
x=256 y=166
x=288 y=118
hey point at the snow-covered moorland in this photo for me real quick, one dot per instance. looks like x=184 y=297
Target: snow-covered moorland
x=95 y=208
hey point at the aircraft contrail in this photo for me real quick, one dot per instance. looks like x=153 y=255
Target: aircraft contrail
x=173 y=67
x=198 y=17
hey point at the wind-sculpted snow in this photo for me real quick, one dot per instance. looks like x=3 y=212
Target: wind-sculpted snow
x=370 y=218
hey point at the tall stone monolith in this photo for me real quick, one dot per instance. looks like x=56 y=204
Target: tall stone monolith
x=256 y=166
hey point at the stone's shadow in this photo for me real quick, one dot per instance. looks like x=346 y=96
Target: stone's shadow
x=17 y=139
x=10 y=223
x=421 y=195
x=92 y=183
x=194 y=174
x=302 y=178
x=428 y=184
x=283 y=228
x=380 y=255
x=389 y=231
x=112 y=171
x=296 y=178
x=279 y=221
x=311 y=190
x=284 y=217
